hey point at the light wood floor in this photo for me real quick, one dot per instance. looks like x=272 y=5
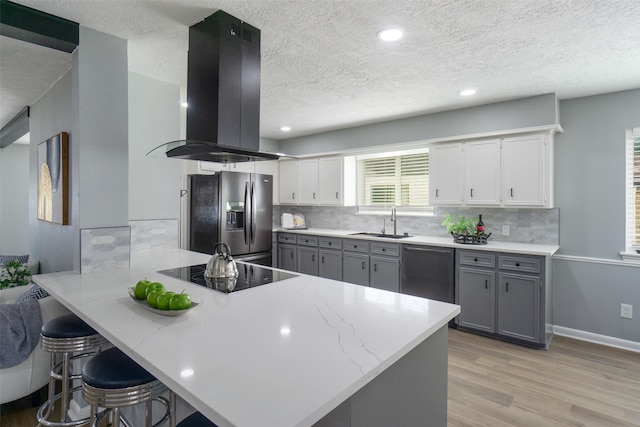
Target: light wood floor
x=495 y=384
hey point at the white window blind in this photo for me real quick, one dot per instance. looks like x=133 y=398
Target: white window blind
x=401 y=180
x=633 y=189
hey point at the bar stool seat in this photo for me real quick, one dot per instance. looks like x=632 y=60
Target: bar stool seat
x=70 y=337
x=111 y=380
x=196 y=420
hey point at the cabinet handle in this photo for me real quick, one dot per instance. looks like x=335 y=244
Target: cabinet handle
x=363 y=265
x=436 y=192
x=507 y=287
x=512 y=192
x=330 y=243
x=313 y=258
x=486 y=284
x=322 y=259
x=291 y=254
x=314 y=195
x=337 y=196
x=384 y=250
x=375 y=267
x=517 y=264
x=475 y=260
x=293 y=196
x=472 y=192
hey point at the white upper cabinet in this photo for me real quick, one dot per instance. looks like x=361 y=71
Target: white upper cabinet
x=331 y=176
x=289 y=182
x=482 y=173
x=526 y=171
x=514 y=171
x=309 y=188
x=271 y=167
x=445 y=174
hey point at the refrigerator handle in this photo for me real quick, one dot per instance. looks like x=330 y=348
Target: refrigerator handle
x=253 y=212
x=246 y=210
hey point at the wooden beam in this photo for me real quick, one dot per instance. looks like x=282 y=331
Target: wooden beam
x=33 y=26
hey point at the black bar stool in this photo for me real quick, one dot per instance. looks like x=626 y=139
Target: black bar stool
x=72 y=339
x=196 y=420
x=111 y=380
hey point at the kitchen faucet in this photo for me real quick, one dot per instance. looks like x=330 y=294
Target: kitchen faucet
x=394 y=219
x=384 y=225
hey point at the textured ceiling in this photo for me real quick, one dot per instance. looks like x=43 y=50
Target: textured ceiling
x=323 y=67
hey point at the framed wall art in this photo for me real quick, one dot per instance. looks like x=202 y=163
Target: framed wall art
x=53 y=179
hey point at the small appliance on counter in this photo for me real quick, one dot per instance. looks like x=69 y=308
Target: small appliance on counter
x=293 y=221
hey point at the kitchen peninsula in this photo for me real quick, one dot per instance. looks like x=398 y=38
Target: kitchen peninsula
x=296 y=352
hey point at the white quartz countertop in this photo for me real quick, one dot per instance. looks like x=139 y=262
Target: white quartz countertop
x=282 y=354
x=492 y=245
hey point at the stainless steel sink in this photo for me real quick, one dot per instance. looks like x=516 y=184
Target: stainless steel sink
x=386 y=236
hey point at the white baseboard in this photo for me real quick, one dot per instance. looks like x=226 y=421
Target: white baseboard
x=597 y=338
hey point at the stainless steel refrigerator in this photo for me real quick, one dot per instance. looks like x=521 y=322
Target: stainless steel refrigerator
x=234 y=208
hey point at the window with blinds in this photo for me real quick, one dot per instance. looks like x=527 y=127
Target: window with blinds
x=401 y=180
x=633 y=188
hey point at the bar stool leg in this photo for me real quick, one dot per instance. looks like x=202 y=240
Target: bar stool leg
x=64 y=408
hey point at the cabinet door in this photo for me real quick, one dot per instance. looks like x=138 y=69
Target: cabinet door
x=246 y=167
x=330 y=175
x=287 y=257
x=477 y=298
x=308 y=260
x=385 y=273
x=330 y=266
x=445 y=174
x=482 y=172
x=271 y=167
x=309 y=193
x=524 y=166
x=289 y=182
x=355 y=268
x=519 y=306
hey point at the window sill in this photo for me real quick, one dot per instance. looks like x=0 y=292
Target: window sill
x=631 y=257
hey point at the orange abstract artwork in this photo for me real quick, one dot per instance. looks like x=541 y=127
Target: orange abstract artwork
x=53 y=179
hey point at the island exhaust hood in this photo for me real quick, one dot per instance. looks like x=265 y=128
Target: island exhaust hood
x=223 y=94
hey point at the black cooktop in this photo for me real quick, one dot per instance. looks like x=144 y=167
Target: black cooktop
x=250 y=276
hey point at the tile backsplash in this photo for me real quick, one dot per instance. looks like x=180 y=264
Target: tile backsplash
x=525 y=225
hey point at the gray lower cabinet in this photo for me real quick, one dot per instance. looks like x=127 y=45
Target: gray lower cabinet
x=384 y=268
x=287 y=257
x=355 y=268
x=330 y=266
x=503 y=295
x=308 y=260
x=477 y=294
x=519 y=306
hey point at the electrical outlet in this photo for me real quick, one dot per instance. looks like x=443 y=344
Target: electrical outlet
x=505 y=230
x=626 y=311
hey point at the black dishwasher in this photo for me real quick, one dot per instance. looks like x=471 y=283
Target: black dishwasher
x=428 y=272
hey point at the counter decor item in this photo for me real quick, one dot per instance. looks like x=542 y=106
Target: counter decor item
x=464 y=230
x=144 y=304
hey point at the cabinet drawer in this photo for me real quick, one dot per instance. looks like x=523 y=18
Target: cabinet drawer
x=307 y=240
x=287 y=238
x=385 y=249
x=477 y=259
x=330 y=243
x=516 y=263
x=355 y=246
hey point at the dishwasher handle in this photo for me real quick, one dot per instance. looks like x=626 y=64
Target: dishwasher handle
x=415 y=249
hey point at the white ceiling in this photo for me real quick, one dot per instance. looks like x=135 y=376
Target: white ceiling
x=323 y=67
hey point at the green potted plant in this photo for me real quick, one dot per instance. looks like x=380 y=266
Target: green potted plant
x=459 y=225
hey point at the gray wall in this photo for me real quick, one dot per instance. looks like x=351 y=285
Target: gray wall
x=590 y=193
x=521 y=113
x=154 y=118
x=52 y=244
x=14 y=200
x=90 y=103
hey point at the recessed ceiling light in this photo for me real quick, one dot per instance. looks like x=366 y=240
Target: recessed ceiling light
x=468 y=92
x=184 y=104
x=285 y=128
x=390 y=34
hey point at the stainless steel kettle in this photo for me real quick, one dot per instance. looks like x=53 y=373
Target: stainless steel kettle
x=221 y=265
